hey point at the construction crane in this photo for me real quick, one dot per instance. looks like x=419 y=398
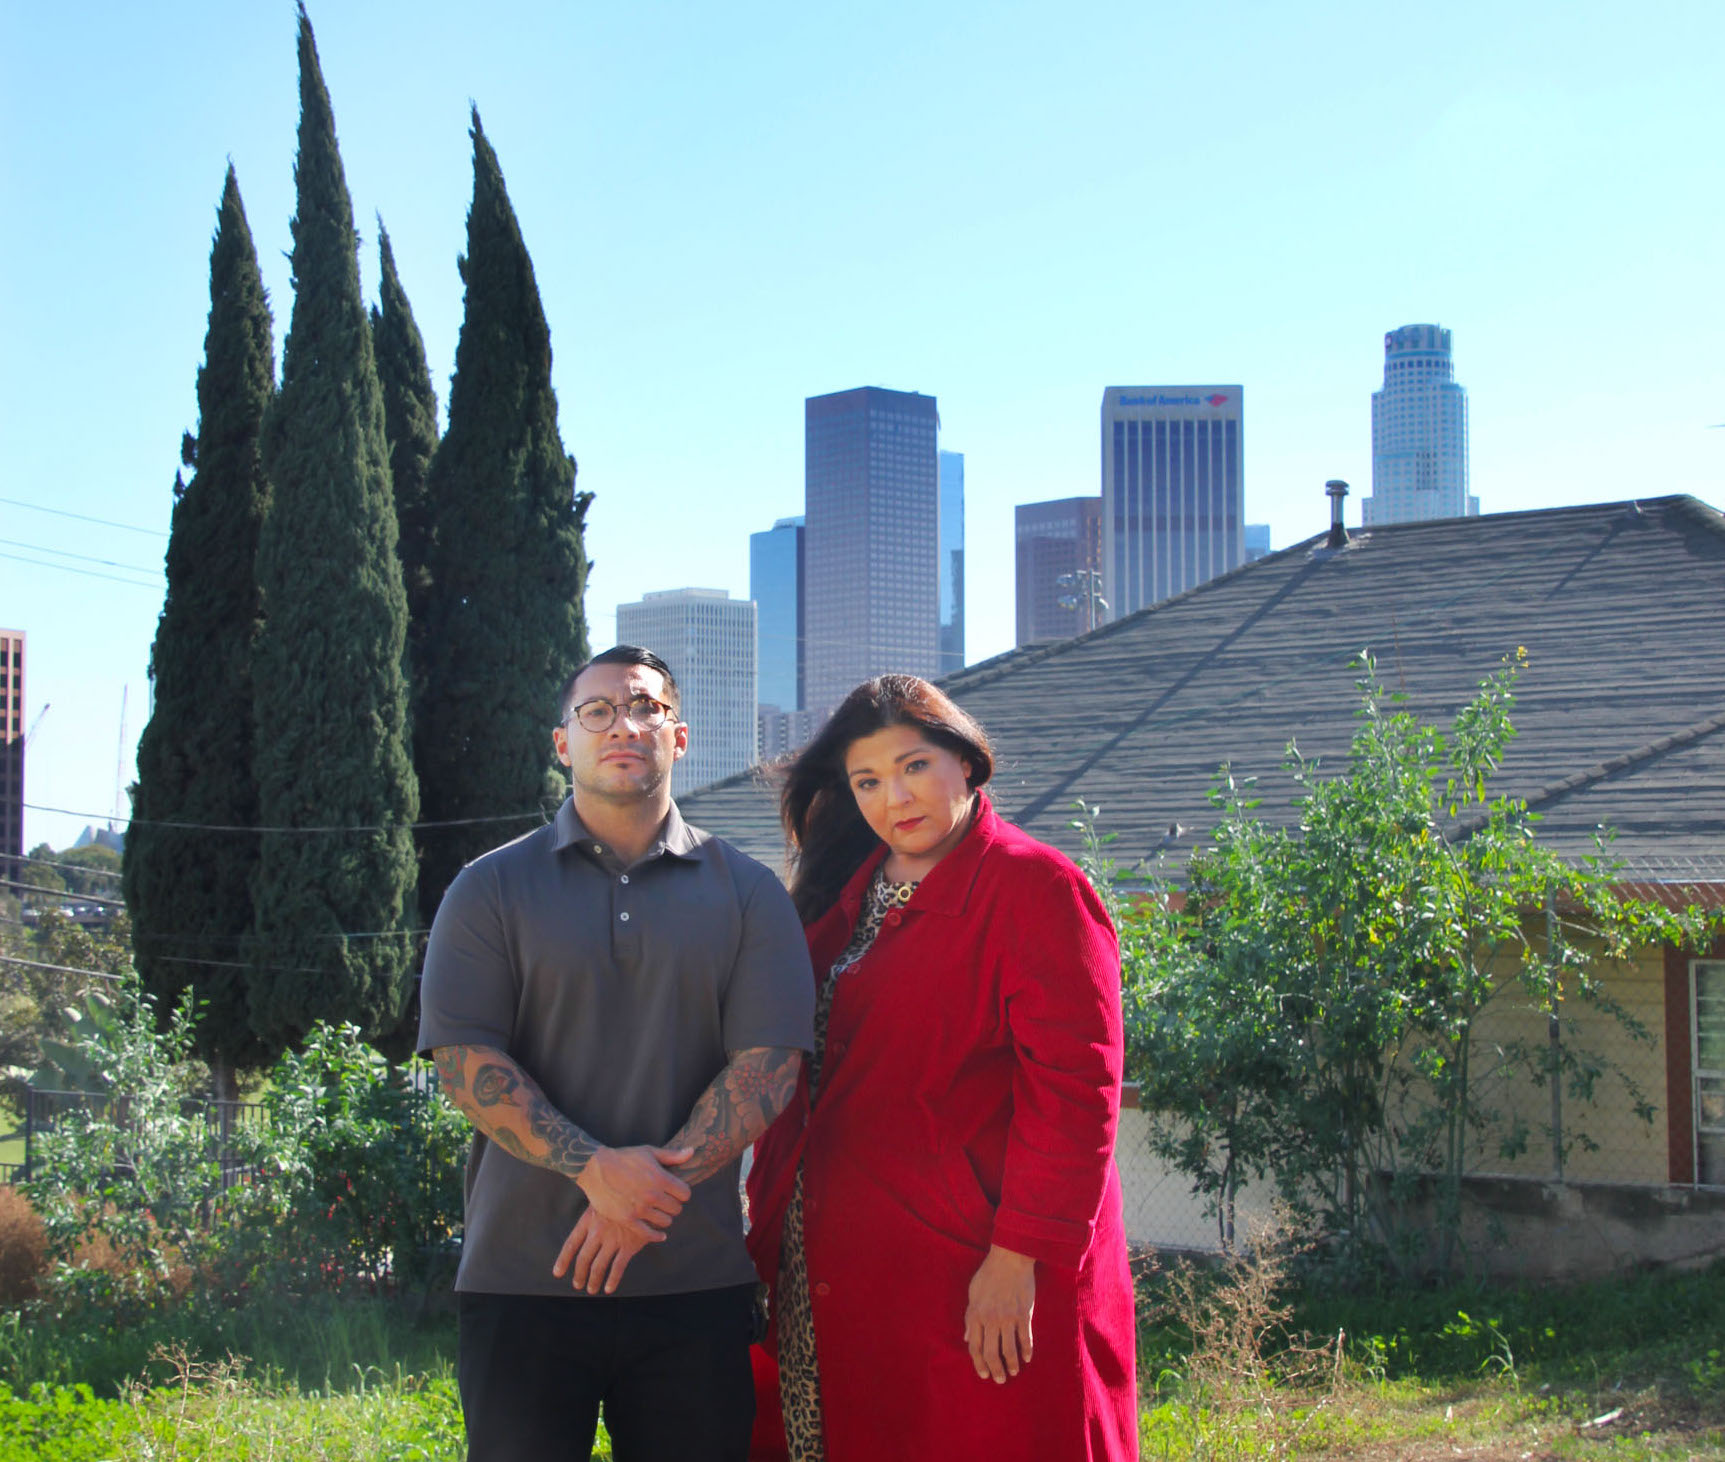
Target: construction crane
x=37 y=723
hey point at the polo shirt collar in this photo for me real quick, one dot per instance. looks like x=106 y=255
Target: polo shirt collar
x=676 y=838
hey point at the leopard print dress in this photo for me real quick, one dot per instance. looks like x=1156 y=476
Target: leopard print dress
x=799 y=1371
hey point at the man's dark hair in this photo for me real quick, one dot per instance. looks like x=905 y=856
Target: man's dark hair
x=619 y=655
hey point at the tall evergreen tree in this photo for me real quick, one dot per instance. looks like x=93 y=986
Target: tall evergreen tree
x=508 y=567
x=187 y=885
x=410 y=422
x=336 y=790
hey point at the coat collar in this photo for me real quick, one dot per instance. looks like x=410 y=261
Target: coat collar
x=946 y=888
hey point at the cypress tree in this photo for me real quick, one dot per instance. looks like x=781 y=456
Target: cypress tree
x=508 y=567
x=410 y=422
x=336 y=790
x=188 y=888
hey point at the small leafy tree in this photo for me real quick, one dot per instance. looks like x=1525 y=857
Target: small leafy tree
x=131 y=1168
x=1310 y=1007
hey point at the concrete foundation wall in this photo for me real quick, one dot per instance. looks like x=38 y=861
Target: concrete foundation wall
x=1537 y=1232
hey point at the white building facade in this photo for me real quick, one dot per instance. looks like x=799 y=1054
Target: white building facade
x=710 y=642
x=1173 y=492
x=1419 y=432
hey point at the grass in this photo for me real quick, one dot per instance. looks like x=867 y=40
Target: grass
x=312 y=1344
x=214 y=1411
x=1627 y=1371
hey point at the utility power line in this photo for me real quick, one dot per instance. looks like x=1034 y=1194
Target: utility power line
x=219 y=827
x=13 y=502
x=37 y=964
x=67 y=568
x=81 y=557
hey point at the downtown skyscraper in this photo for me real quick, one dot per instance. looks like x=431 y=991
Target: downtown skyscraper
x=871 y=499
x=1419 y=432
x=708 y=640
x=1056 y=541
x=776 y=586
x=1173 y=495
x=951 y=562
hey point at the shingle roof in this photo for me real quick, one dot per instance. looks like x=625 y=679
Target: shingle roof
x=1621 y=711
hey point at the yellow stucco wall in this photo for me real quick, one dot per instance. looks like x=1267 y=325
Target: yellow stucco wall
x=1622 y=1147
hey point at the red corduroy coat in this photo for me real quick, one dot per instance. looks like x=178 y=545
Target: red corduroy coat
x=969 y=1095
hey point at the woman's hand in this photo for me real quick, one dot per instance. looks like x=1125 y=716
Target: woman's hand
x=997 y=1319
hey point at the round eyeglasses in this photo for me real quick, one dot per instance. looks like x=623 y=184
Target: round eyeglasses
x=599 y=714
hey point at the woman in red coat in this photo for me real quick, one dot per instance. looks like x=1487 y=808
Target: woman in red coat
x=937 y=1213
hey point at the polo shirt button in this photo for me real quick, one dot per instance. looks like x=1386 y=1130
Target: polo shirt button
x=624 y=917
x=598 y=847
x=625 y=878
x=823 y=1288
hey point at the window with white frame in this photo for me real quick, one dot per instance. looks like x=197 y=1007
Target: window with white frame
x=1707 y=1027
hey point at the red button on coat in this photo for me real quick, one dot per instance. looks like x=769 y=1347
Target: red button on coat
x=894 y=917
x=823 y=1288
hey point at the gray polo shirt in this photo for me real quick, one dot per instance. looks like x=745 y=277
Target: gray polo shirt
x=619 y=990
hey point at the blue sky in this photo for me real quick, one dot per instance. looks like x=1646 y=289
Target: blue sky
x=731 y=208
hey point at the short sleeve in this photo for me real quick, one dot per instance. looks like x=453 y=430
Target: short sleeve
x=1063 y=1008
x=770 y=999
x=468 y=996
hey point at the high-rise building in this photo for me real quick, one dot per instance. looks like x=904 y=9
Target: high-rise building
x=776 y=586
x=871 y=545
x=951 y=562
x=778 y=733
x=1173 y=495
x=1419 y=432
x=1055 y=540
x=1257 y=541
x=12 y=733
x=708 y=640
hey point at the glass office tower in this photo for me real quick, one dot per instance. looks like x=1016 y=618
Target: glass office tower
x=1173 y=500
x=1419 y=432
x=951 y=562
x=871 y=540
x=708 y=640
x=776 y=586
x=1055 y=540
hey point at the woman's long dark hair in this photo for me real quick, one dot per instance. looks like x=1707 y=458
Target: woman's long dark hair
x=826 y=831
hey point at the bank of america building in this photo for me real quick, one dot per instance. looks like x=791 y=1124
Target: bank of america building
x=1173 y=503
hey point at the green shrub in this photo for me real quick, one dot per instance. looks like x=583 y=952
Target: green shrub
x=360 y=1183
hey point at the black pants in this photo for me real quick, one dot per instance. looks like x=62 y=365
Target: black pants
x=671 y=1371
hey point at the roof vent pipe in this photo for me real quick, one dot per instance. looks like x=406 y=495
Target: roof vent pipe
x=1335 y=489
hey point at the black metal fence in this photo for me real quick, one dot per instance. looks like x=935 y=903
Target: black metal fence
x=222 y=1122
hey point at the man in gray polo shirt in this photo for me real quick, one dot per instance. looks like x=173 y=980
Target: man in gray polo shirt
x=619 y=1003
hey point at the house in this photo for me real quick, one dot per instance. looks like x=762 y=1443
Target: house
x=1620 y=714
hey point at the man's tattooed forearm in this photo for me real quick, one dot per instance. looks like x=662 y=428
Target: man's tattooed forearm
x=739 y=1105
x=567 y=1147
x=451 y=1068
x=505 y=1104
x=495 y=1085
